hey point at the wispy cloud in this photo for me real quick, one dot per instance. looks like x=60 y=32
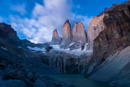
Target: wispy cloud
x=1 y=19
x=19 y=8
x=45 y=18
x=84 y=19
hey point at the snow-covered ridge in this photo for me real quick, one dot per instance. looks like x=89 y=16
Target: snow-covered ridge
x=77 y=52
x=37 y=49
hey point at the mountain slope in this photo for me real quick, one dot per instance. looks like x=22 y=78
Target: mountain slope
x=20 y=66
x=111 y=51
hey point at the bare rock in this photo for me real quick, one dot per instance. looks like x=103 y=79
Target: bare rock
x=116 y=33
x=95 y=27
x=67 y=35
x=56 y=39
x=79 y=36
x=39 y=83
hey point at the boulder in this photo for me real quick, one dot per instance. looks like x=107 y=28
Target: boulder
x=39 y=83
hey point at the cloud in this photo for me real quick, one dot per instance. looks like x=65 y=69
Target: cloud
x=45 y=18
x=84 y=19
x=19 y=8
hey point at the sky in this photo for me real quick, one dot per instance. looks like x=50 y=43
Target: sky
x=35 y=20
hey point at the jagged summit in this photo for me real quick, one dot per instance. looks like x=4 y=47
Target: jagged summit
x=79 y=33
x=7 y=32
x=55 y=33
x=95 y=27
x=56 y=39
x=67 y=22
x=79 y=38
x=73 y=39
x=67 y=35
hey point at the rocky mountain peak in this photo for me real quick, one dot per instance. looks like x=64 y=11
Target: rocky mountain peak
x=78 y=33
x=55 y=33
x=67 y=34
x=95 y=27
x=66 y=23
x=79 y=37
x=56 y=39
x=7 y=32
x=6 y=28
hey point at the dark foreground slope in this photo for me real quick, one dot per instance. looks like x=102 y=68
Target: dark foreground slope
x=20 y=67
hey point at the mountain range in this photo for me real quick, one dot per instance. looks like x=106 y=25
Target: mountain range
x=102 y=53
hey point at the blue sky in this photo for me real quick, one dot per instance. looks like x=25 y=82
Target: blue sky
x=36 y=19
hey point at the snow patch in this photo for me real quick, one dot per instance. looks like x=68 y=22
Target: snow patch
x=4 y=48
x=71 y=44
x=77 y=52
x=37 y=49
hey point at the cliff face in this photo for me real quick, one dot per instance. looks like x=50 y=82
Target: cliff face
x=111 y=46
x=79 y=34
x=67 y=35
x=72 y=39
x=56 y=39
x=116 y=32
x=95 y=27
x=69 y=63
x=79 y=37
x=8 y=33
x=111 y=68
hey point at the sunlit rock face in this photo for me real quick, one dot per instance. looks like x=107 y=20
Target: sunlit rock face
x=79 y=37
x=116 y=32
x=67 y=35
x=114 y=37
x=95 y=27
x=56 y=39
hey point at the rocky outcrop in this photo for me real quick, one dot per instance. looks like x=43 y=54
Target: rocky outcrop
x=111 y=46
x=67 y=35
x=22 y=67
x=95 y=27
x=79 y=37
x=113 y=65
x=71 y=39
x=116 y=32
x=66 y=59
x=56 y=39
x=69 y=63
x=6 y=32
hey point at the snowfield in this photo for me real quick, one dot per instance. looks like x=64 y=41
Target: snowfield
x=37 y=49
x=76 y=52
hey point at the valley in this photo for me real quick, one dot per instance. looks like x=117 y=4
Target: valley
x=98 y=57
